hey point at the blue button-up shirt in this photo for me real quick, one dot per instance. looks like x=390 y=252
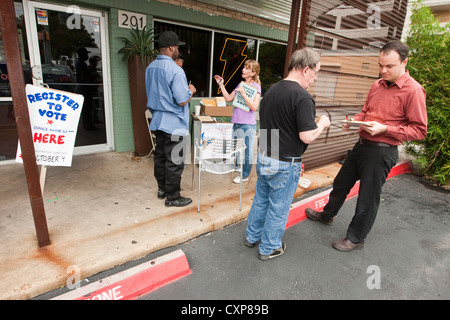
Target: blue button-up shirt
x=166 y=87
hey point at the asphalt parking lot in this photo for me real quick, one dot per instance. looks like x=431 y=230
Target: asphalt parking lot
x=406 y=256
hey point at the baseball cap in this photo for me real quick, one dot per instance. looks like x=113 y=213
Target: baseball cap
x=168 y=39
x=82 y=50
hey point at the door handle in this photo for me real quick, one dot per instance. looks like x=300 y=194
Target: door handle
x=36 y=72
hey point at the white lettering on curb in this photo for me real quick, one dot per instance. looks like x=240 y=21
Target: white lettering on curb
x=111 y=294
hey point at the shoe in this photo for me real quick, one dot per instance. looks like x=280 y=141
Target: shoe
x=250 y=244
x=180 y=202
x=346 y=245
x=275 y=253
x=161 y=194
x=238 y=179
x=317 y=216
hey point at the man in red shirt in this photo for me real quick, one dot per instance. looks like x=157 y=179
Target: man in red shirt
x=395 y=111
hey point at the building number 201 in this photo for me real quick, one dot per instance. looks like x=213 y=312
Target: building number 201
x=131 y=20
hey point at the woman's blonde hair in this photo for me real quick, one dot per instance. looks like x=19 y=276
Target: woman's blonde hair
x=254 y=66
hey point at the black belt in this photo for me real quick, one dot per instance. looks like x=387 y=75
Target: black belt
x=366 y=142
x=276 y=157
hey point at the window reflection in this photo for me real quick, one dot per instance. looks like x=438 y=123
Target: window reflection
x=5 y=90
x=195 y=54
x=8 y=130
x=230 y=52
x=227 y=58
x=271 y=57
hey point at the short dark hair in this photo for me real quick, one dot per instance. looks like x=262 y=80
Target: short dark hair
x=401 y=48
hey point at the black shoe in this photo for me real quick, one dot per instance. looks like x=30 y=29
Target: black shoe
x=161 y=194
x=180 y=202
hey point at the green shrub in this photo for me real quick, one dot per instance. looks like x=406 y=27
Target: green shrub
x=429 y=64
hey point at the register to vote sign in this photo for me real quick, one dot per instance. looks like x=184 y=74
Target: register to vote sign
x=54 y=117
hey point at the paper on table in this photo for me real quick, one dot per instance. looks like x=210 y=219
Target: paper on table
x=205 y=118
x=355 y=123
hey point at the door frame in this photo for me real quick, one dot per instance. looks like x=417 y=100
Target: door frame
x=35 y=59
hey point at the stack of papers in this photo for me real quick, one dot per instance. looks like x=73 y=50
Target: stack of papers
x=355 y=123
x=205 y=118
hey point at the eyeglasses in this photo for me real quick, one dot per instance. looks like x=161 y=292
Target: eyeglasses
x=315 y=72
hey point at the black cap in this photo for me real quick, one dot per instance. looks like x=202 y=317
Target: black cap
x=82 y=50
x=168 y=39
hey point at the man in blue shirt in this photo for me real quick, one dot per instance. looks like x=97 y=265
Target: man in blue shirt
x=168 y=95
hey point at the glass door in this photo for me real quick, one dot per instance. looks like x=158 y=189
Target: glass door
x=68 y=52
x=8 y=128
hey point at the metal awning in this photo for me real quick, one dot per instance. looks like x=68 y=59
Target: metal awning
x=279 y=10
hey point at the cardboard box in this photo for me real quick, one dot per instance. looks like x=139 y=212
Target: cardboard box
x=216 y=111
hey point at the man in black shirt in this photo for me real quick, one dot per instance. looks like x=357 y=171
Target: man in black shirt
x=287 y=123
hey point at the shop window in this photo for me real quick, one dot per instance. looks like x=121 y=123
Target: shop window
x=227 y=58
x=271 y=60
x=195 y=54
x=5 y=90
x=8 y=131
x=230 y=53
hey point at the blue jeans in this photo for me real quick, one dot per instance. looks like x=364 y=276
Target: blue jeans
x=275 y=188
x=246 y=132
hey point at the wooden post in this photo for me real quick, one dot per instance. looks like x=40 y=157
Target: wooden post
x=306 y=8
x=292 y=36
x=17 y=85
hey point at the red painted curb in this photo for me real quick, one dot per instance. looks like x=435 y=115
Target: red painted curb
x=136 y=281
x=317 y=202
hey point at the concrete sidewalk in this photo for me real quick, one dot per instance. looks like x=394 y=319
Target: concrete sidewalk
x=102 y=212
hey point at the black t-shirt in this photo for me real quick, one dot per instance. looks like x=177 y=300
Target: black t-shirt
x=289 y=109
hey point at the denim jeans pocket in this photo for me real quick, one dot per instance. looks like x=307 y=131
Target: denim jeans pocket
x=279 y=176
x=278 y=179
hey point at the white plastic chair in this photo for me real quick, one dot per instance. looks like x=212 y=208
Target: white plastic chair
x=148 y=118
x=219 y=156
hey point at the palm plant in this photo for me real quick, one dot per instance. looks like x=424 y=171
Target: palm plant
x=138 y=52
x=140 y=43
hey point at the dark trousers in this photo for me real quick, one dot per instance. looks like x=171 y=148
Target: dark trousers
x=86 y=112
x=371 y=165
x=169 y=163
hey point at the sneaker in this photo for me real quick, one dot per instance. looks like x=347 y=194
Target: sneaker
x=250 y=244
x=238 y=179
x=275 y=253
x=180 y=202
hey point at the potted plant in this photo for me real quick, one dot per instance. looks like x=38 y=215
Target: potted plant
x=138 y=52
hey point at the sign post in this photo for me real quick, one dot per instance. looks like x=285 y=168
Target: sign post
x=17 y=85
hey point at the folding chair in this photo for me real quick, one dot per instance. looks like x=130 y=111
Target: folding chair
x=148 y=118
x=219 y=156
